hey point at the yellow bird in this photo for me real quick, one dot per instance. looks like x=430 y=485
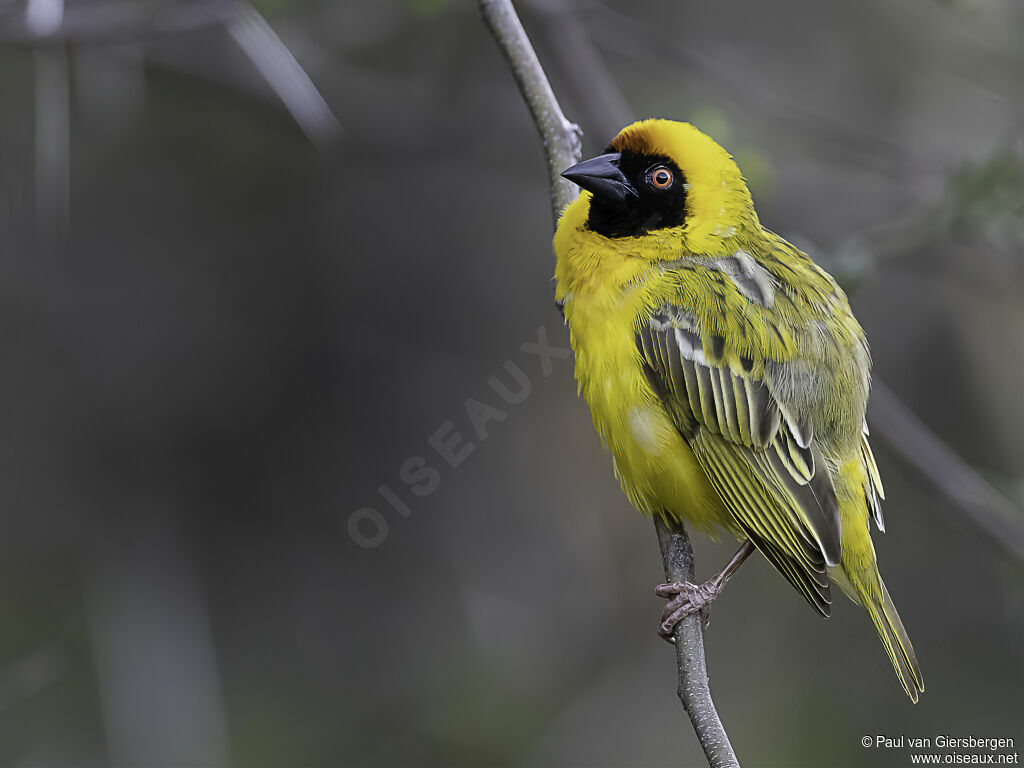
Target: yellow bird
x=724 y=371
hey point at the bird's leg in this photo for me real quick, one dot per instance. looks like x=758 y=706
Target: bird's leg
x=687 y=598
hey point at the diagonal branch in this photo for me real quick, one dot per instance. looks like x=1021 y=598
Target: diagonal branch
x=284 y=74
x=561 y=140
x=987 y=508
x=47 y=23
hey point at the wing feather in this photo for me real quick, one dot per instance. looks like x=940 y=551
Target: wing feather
x=742 y=406
x=758 y=453
x=873 y=490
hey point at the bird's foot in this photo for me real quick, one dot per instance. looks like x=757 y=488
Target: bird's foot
x=685 y=600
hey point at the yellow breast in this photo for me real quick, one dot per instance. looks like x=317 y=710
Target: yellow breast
x=655 y=466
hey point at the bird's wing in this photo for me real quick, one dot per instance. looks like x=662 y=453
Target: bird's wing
x=758 y=453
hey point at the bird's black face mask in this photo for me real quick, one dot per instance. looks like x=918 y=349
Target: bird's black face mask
x=632 y=193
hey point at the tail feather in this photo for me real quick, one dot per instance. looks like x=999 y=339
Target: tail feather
x=894 y=637
x=858 y=577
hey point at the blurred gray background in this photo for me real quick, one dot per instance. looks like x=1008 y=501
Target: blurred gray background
x=232 y=312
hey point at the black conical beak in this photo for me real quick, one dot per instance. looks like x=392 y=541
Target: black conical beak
x=601 y=175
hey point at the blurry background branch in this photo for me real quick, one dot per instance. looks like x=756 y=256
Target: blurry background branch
x=52 y=122
x=110 y=21
x=284 y=75
x=53 y=29
x=621 y=32
x=986 y=508
x=561 y=140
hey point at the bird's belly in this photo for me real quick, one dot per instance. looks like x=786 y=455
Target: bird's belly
x=655 y=466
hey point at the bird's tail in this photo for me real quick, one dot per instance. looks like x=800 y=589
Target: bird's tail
x=894 y=637
x=869 y=590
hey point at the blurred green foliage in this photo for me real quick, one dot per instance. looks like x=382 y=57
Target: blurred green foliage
x=986 y=200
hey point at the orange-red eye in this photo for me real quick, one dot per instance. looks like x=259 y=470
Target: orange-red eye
x=660 y=177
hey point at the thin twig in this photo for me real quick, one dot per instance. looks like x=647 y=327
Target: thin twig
x=47 y=23
x=693 y=690
x=997 y=517
x=592 y=86
x=52 y=124
x=112 y=22
x=561 y=140
x=284 y=75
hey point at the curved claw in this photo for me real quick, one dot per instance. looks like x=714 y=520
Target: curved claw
x=686 y=599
